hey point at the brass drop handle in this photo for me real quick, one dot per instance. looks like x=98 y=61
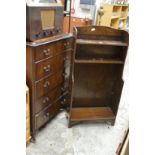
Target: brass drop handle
x=46 y=99
x=47 y=68
x=46 y=52
x=47 y=83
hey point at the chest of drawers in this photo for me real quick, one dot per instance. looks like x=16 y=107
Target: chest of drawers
x=48 y=71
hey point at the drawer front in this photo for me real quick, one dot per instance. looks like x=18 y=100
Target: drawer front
x=48 y=50
x=46 y=114
x=47 y=99
x=43 y=117
x=49 y=66
x=49 y=83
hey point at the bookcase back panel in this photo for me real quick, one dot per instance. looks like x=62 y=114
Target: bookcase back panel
x=94 y=84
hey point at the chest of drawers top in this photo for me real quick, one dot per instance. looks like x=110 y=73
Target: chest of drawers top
x=45 y=41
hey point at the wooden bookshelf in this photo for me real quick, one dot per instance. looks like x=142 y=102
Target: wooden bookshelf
x=98 y=66
x=113 y=16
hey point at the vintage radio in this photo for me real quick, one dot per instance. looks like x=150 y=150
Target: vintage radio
x=43 y=20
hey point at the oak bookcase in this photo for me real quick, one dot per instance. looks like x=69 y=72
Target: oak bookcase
x=100 y=54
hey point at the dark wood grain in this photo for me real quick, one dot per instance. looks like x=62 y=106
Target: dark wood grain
x=45 y=115
x=49 y=83
x=101 y=42
x=49 y=66
x=96 y=113
x=47 y=99
x=100 y=52
x=93 y=84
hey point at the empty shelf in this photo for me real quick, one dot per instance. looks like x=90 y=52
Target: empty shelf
x=101 y=42
x=97 y=113
x=99 y=61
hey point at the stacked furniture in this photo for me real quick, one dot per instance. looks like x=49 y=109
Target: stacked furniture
x=48 y=70
x=114 y=15
x=49 y=54
x=27 y=116
x=97 y=74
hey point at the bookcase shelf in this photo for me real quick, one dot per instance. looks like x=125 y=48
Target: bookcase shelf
x=90 y=114
x=101 y=42
x=99 y=61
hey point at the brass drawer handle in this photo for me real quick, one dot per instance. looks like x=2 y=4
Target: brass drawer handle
x=46 y=52
x=47 y=68
x=46 y=99
x=47 y=83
